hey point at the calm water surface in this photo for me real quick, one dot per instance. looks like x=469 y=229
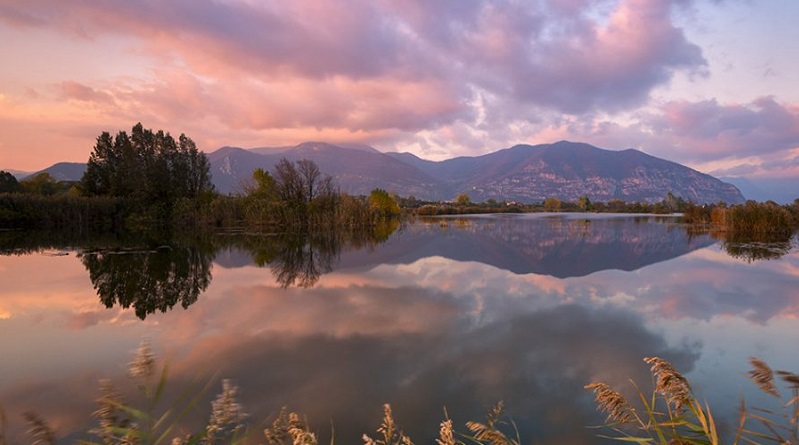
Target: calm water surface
x=457 y=313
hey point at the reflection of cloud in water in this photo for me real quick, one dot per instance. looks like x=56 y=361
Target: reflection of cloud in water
x=83 y=320
x=341 y=355
x=701 y=288
x=702 y=285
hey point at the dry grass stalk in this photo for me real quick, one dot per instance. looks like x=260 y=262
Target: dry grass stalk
x=227 y=415
x=790 y=378
x=108 y=413
x=488 y=432
x=762 y=376
x=445 y=433
x=611 y=402
x=39 y=430
x=670 y=383
x=289 y=428
x=388 y=429
x=143 y=364
x=299 y=432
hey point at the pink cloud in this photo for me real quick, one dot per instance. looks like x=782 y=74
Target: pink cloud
x=72 y=90
x=455 y=77
x=741 y=138
x=536 y=55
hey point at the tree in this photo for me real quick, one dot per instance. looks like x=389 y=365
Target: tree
x=147 y=166
x=381 y=202
x=584 y=204
x=290 y=187
x=310 y=175
x=265 y=186
x=552 y=205
x=463 y=200
x=8 y=183
x=41 y=184
x=198 y=178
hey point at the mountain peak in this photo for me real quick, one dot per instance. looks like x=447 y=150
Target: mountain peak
x=319 y=146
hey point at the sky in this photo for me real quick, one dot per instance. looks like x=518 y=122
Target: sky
x=706 y=83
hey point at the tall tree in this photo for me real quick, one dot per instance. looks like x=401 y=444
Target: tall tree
x=310 y=175
x=197 y=168
x=265 y=186
x=8 y=183
x=148 y=166
x=290 y=184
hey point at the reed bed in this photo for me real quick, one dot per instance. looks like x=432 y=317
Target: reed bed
x=670 y=415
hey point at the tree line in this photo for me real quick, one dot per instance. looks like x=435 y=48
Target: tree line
x=149 y=179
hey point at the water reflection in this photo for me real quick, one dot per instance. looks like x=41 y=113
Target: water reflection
x=562 y=246
x=156 y=279
x=764 y=247
x=522 y=360
x=300 y=259
x=149 y=280
x=422 y=320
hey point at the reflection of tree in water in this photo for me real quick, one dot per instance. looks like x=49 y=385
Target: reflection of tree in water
x=149 y=280
x=301 y=259
x=755 y=248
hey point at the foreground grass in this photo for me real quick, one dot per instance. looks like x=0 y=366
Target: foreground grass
x=673 y=415
x=670 y=415
x=157 y=421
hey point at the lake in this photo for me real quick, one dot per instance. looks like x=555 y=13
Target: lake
x=447 y=313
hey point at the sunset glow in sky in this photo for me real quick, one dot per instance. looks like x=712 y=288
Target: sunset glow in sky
x=707 y=83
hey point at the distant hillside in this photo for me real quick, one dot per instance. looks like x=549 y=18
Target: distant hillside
x=357 y=170
x=19 y=174
x=63 y=171
x=564 y=170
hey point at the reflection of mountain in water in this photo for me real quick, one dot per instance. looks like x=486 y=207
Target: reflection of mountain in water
x=561 y=246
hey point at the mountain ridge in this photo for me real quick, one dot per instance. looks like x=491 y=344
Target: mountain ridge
x=527 y=173
x=524 y=173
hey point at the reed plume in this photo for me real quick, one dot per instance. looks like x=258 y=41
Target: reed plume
x=143 y=364
x=445 y=433
x=489 y=432
x=762 y=376
x=227 y=415
x=611 y=402
x=109 y=415
x=39 y=430
x=392 y=435
x=670 y=383
x=289 y=429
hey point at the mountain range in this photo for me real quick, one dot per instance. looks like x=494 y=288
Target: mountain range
x=524 y=173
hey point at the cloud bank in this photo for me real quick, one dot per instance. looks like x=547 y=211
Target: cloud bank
x=440 y=79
